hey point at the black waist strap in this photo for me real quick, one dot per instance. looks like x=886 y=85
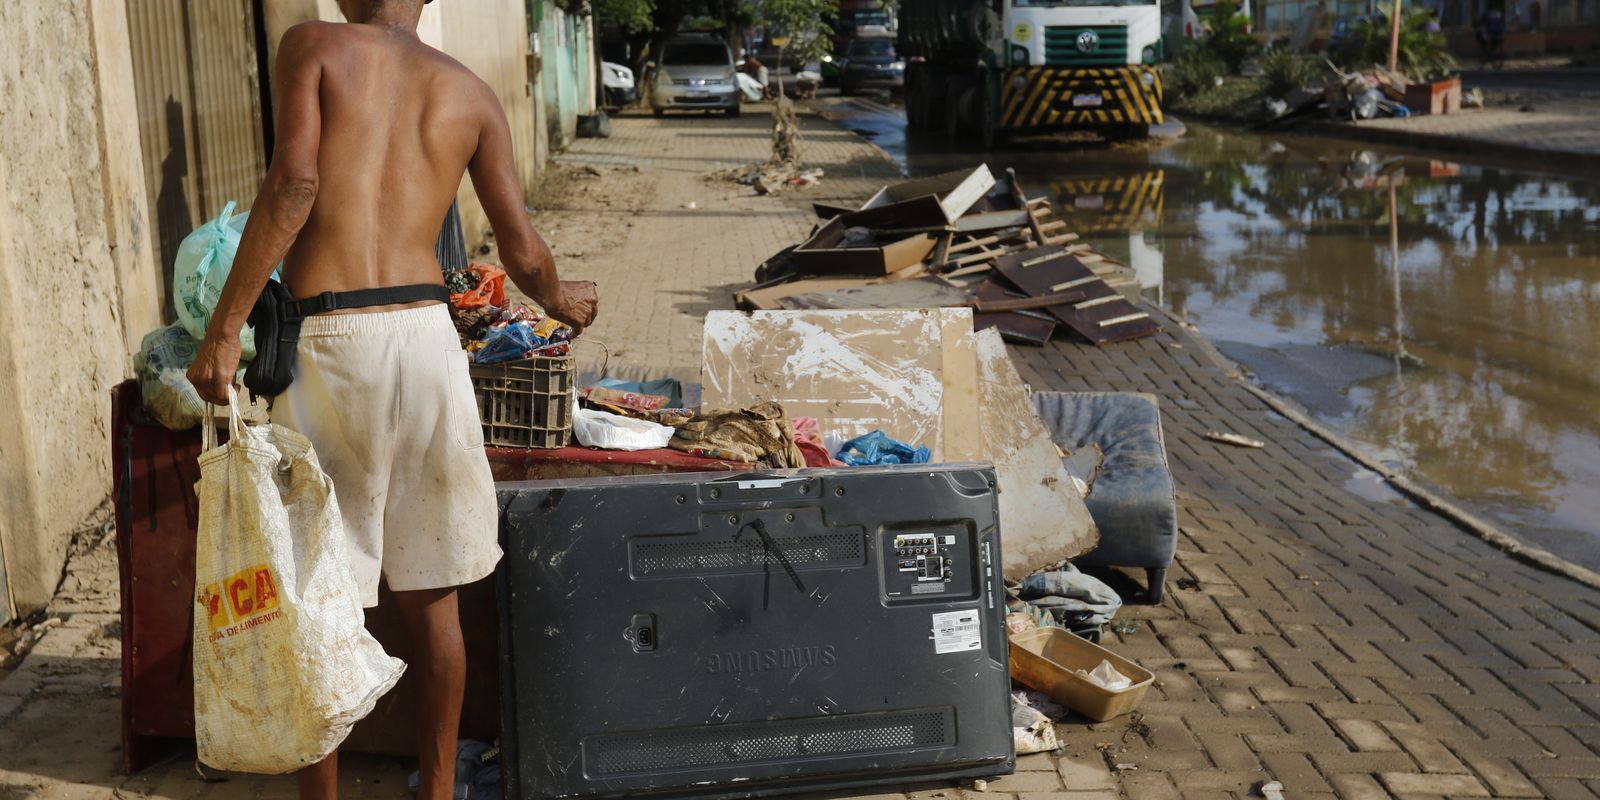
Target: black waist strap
x=362 y=298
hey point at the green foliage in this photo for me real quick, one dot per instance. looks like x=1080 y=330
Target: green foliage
x=1195 y=71
x=1424 y=54
x=631 y=16
x=1283 y=72
x=805 y=22
x=1229 y=36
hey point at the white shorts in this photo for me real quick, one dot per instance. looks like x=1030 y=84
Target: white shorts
x=387 y=403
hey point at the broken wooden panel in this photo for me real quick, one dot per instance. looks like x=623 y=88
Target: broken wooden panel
x=1043 y=519
x=911 y=373
x=925 y=292
x=1021 y=327
x=836 y=249
x=957 y=191
x=768 y=298
x=1105 y=315
x=918 y=212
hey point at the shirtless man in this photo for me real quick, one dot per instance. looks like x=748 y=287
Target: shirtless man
x=375 y=129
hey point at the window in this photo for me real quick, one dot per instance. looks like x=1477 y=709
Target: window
x=696 y=54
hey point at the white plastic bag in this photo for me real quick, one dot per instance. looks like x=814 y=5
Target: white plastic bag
x=283 y=666
x=615 y=432
x=1107 y=677
x=201 y=267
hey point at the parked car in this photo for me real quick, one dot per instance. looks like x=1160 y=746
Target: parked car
x=871 y=63
x=695 y=71
x=621 y=91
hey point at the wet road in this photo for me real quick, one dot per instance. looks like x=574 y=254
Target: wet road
x=1466 y=348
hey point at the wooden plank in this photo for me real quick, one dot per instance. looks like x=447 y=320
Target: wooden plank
x=767 y=298
x=1103 y=316
x=924 y=292
x=1019 y=327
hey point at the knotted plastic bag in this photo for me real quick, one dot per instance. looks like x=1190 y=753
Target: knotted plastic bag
x=283 y=665
x=201 y=267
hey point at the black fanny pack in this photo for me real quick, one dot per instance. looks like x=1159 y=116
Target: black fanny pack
x=277 y=316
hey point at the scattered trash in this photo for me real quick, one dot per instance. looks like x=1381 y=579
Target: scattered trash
x=1065 y=598
x=1473 y=98
x=1189 y=584
x=1234 y=439
x=1031 y=729
x=691 y=205
x=1126 y=627
x=1272 y=790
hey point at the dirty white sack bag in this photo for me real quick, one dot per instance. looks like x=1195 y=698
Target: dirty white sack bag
x=283 y=665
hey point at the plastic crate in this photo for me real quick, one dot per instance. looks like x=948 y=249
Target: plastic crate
x=1047 y=659
x=525 y=403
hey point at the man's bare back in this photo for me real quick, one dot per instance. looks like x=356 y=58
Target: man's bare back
x=400 y=121
x=374 y=131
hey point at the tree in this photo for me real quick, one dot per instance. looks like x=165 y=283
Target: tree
x=801 y=32
x=631 y=16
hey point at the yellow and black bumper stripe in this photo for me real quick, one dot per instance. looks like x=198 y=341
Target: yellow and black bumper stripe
x=1040 y=98
x=1111 y=205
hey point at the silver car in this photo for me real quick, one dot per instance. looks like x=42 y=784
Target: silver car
x=695 y=72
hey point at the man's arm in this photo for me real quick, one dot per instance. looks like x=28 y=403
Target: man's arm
x=280 y=211
x=523 y=252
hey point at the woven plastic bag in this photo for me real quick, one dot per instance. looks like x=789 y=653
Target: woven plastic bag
x=283 y=665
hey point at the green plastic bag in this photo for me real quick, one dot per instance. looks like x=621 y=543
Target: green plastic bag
x=205 y=257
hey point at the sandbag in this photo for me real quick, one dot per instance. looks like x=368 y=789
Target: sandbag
x=283 y=664
x=201 y=267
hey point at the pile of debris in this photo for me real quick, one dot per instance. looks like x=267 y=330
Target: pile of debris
x=957 y=240
x=1371 y=93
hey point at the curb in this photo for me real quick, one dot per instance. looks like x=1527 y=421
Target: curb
x=1444 y=507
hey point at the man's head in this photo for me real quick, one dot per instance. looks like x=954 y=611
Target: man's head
x=368 y=10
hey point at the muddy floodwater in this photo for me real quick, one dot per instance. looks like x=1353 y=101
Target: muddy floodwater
x=1444 y=314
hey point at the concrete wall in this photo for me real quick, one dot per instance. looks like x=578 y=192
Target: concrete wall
x=567 y=75
x=78 y=284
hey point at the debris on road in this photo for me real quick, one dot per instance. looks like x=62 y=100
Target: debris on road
x=961 y=239
x=1235 y=439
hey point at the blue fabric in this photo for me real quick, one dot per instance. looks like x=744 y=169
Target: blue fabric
x=877 y=448
x=477 y=771
x=1132 y=501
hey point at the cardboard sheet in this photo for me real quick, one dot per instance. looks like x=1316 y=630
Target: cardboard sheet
x=1043 y=519
x=911 y=373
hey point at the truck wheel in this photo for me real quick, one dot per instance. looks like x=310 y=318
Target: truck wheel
x=955 y=128
x=988 y=114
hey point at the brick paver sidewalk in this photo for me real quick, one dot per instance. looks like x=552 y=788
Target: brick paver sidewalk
x=1342 y=646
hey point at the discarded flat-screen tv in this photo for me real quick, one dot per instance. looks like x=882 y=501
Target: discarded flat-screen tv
x=699 y=635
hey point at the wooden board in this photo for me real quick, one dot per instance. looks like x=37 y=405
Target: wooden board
x=768 y=298
x=909 y=373
x=1019 y=327
x=1043 y=519
x=925 y=292
x=1103 y=316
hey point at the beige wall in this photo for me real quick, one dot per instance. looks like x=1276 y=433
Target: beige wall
x=490 y=37
x=77 y=279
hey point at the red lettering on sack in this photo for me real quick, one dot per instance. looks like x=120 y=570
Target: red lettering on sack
x=266 y=593
x=238 y=593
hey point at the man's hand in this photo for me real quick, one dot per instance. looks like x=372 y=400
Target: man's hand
x=213 y=369
x=576 y=306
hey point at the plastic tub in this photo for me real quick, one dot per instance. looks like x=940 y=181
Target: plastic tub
x=1047 y=659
